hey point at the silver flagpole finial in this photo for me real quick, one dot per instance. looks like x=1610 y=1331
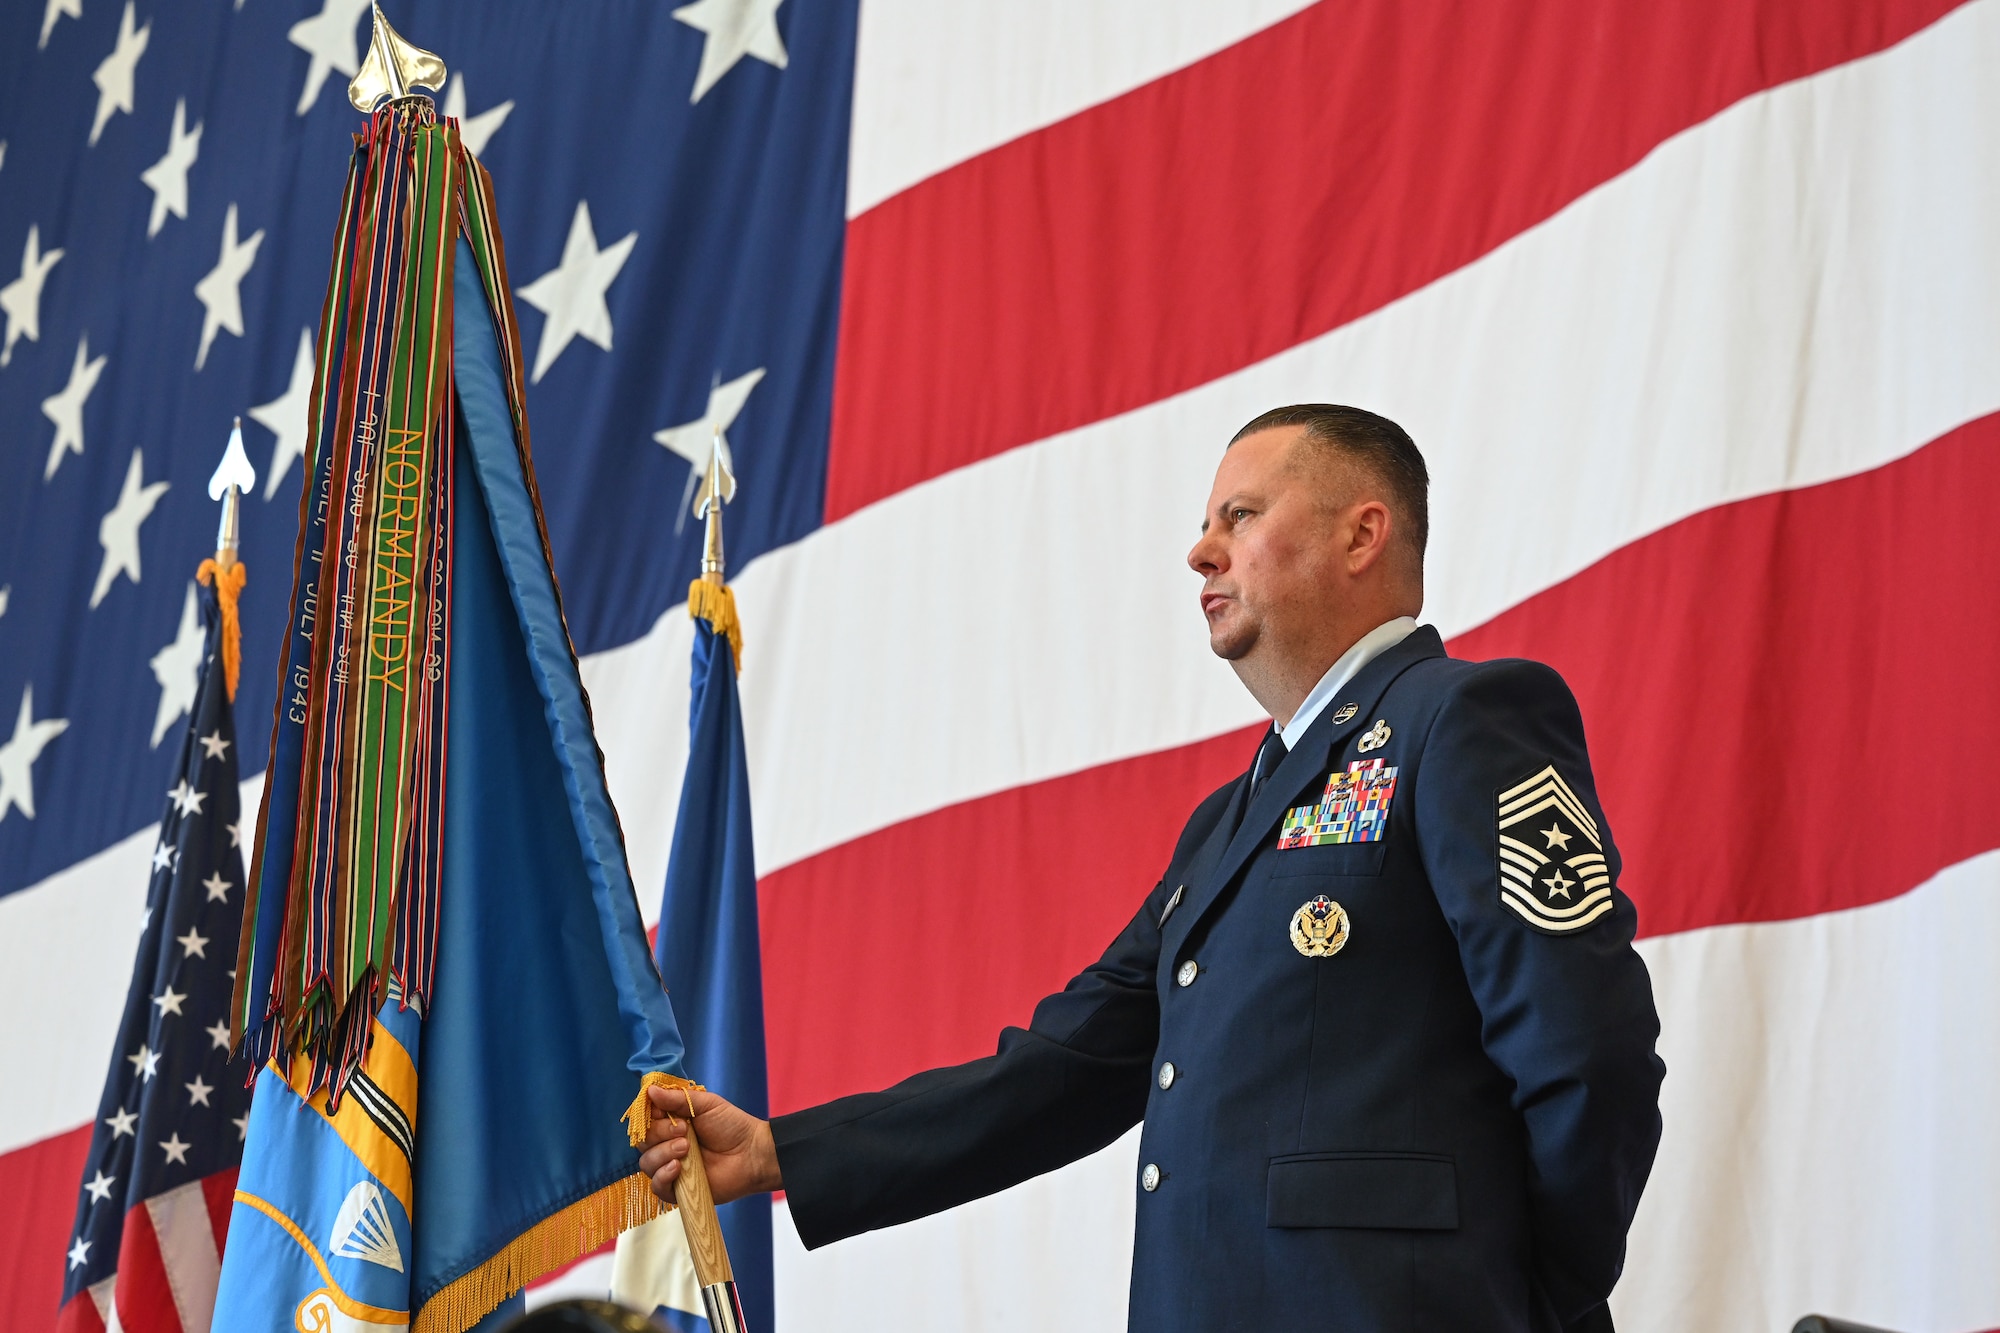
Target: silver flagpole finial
x=394 y=69
x=718 y=488
x=233 y=476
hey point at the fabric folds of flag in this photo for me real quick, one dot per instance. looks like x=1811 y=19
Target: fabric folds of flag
x=145 y=1250
x=709 y=956
x=445 y=971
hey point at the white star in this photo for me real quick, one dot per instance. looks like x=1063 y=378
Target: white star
x=212 y=745
x=55 y=10
x=473 y=131
x=242 y=1123
x=168 y=177
x=198 y=1092
x=1556 y=836
x=176 y=1150
x=6 y=589
x=17 y=756
x=218 y=1033
x=163 y=859
x=177 y=667
x=235 y=834
x=193 y=944
x=725 y=401
x=146 y=917
x=735 y=28
x=79 y=1252
x=286 y=416
x=1559 y=884
x=99 y=1187
x=572 y=293
x=186 y=799
x=21 y=299
x=118 y=531
x=217 y=886
x=220 y=289
x=169 y=1002
x=328 y=37
x=121 y=1124
x=66 y=408
x=114 y=73
x=146 y=1063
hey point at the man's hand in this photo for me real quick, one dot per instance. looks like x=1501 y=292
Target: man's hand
x=736 y=1146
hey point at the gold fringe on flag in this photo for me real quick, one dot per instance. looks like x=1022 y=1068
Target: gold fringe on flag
x=639 y=1115
x=552 y=1243
x=228 y=581
x=715 y=603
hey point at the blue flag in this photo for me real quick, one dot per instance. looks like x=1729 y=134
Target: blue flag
x=708 y=948
x=487 y=1140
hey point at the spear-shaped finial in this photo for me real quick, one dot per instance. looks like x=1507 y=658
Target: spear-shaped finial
x=718 y=488
x=233 y=476
x=394 y=69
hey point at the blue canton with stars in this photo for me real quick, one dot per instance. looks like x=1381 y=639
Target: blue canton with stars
x=672 y=189
x=175 y=1108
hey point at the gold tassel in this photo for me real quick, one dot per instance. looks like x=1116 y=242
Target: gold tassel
x=716 y=603
x=228 y=582
x=552 y=1243
x=640 y=1113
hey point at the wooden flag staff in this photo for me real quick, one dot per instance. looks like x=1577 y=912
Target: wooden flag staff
x=393 y=71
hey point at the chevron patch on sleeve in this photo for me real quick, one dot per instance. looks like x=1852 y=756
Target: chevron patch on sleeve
x=1553 y=874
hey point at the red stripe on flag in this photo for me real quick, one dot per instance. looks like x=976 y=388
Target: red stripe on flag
x=39 y=1184
x=218 y=1192
x=144 y=1297
x=1792 y=702
x=1732 y=671
x=1282 y=187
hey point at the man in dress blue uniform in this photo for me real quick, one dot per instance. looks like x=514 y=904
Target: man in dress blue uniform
x=1382 y=1016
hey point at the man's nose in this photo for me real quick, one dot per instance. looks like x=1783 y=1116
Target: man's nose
x=1206 y=556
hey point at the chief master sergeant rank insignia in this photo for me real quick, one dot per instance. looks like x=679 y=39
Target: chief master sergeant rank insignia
x=1552 y=869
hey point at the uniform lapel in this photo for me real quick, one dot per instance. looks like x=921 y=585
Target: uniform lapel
x=1224 y=853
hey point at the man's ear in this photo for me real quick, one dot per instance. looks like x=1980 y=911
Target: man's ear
x=1373 y=529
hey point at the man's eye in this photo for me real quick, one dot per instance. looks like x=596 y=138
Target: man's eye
x=1238 y=515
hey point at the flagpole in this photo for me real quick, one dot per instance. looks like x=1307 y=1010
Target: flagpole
x=692 y=1194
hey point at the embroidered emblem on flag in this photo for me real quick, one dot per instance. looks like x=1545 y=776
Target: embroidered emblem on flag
x=1553 y=874
x=1353 y=808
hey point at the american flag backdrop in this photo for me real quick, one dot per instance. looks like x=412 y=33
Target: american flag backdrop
x=1694 y=309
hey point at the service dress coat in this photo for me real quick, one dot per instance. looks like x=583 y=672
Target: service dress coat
x=1383 y=1022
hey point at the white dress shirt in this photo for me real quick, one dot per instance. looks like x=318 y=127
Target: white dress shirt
x=1365 y=650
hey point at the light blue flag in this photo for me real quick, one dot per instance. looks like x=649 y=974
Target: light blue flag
x=488 y=1143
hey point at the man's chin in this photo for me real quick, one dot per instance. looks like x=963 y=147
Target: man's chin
x=1230 y=644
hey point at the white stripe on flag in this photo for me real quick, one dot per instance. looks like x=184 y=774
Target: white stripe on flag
x=187 y=1250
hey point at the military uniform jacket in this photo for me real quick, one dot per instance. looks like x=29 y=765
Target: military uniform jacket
x=1382 y=1019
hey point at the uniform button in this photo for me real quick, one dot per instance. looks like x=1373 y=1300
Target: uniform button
x=1149 y=1179
x=1187 y=973
x=1166 y=1075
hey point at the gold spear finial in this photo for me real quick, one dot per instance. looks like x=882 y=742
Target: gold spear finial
x=233 y=476
x=394 y=69
x=718 y=488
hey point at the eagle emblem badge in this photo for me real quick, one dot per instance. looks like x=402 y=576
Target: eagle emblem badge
x=1552 y=870
x=1319 y=929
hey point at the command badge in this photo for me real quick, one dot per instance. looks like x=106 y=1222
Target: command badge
x=1353 y=808
x=1553 y=874
x=1319 y=929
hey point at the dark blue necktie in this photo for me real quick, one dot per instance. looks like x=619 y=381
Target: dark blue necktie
x=1269 y=755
